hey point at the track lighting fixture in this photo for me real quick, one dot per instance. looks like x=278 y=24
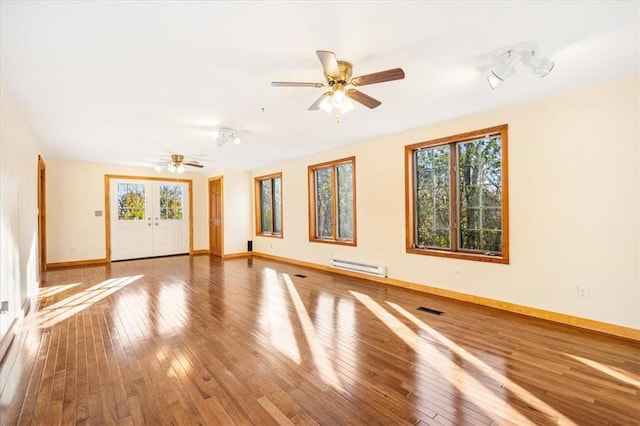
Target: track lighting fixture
x=224 y=135
x=505 y=61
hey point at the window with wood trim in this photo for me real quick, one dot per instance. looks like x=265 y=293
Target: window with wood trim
x=332 y=205
x=457 y=198
x=268 y=194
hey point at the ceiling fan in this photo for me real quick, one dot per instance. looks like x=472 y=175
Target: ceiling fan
x=342 y=85
x=177 y=163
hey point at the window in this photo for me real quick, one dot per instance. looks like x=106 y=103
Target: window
x=131 y=201
x=268 y=194
x=457 y=196
x=170 y=202
x=332 y=207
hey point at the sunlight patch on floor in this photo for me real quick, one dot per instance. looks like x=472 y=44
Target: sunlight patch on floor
x=280 y=328
x=468 y=386
x=55 y=289
x=618 y=375
x=66 y=308
x=320 y=357
x=517 y=390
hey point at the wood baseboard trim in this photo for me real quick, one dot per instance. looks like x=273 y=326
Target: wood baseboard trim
x=203 y=252
x=87 y=262
x=570 y=320
x=235 y=255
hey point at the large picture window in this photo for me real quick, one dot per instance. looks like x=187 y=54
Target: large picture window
x=457 y=196
x=332 y=207
x=268 y=192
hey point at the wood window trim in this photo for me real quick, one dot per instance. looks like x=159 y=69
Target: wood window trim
x=503 y=258
x=258 y=206
x=312 y=202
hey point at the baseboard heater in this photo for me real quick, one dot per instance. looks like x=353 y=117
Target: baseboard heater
x=377 y=270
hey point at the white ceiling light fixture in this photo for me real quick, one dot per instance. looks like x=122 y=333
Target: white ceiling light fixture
x=224 y=135
x=506 y=59
x=336 y=103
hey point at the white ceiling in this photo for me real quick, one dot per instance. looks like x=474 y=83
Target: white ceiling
x=126 y=82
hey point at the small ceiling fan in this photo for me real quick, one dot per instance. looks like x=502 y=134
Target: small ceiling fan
x=177 y=163
x=342 y=85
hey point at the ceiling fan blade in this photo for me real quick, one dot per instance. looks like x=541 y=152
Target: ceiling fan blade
x=329 y=63
x=378 y=77
x=316 y=105
x=295 y=84
x=193 y=164
x=365 y=100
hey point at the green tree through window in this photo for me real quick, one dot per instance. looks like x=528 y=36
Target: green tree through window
x=332 y=202
x=131 y=201
x=171 y=202
x=268 y=190
x=458 y=202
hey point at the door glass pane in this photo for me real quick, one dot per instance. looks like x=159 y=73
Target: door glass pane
x=324 y=202
x=265 y=202
x=345 y=201
x=131 y=201
x=480 y=194
x=171 y=202
x=277 y=206
x=432 y=197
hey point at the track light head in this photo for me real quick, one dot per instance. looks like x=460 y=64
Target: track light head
x=224 y=135
x=540 y=67
x=504 y=63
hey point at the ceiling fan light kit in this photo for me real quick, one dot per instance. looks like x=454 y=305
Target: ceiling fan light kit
x=224 y=135
x=505 y=61
x=177 y=164
x=338 y=100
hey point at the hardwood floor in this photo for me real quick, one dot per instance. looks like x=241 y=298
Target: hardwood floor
x=198 y=340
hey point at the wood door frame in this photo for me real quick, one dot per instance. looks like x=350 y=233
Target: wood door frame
x=42 y=216
x=211 y=180
x=107 y=207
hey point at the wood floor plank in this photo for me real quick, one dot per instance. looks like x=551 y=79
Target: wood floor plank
x=198 y=340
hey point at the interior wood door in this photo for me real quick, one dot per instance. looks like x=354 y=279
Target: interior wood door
x=216 y=228
x=148 y=218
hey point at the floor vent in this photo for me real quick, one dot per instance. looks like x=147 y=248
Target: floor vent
x=300 y=276
x=431 y=311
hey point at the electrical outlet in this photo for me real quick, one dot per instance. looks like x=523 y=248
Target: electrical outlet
x=583 y=291
x=4 y=307
x=457 y=272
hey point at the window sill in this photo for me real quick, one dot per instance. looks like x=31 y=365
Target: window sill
x=461 y=255
x=338 y=242
x=269 y=235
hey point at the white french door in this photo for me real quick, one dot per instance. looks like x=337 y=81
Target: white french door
x=148 y=218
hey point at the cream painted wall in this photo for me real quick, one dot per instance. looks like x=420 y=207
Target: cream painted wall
x=75 y=190
x=574 y=206
x=19 y=263
x=237 y=210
